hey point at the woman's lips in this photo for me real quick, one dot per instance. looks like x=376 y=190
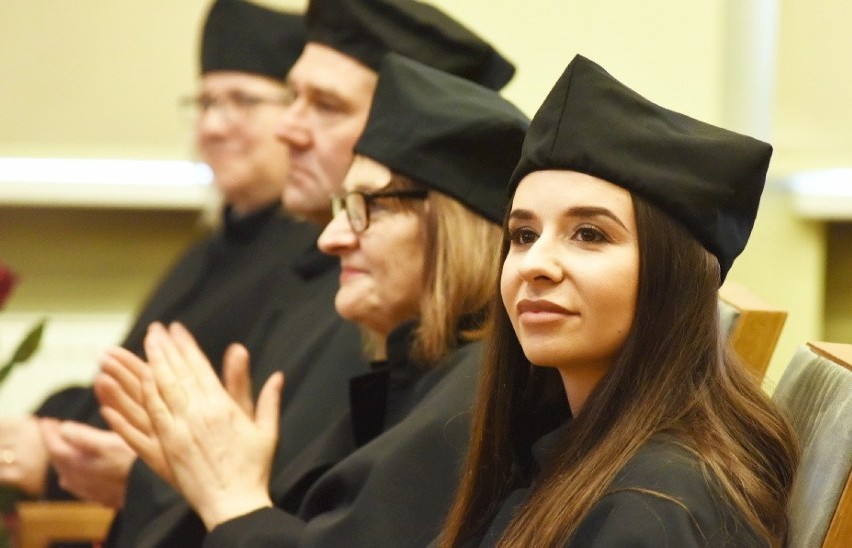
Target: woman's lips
x=348 y=272
x=539 y=310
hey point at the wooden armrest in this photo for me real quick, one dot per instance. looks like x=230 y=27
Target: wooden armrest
x=41 y=523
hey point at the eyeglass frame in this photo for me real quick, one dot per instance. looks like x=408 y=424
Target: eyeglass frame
x=233 y=107
x=340 y=202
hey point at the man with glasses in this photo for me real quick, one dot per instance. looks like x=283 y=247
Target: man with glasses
x=331 y=89
x=333 y=81
x=259 y=276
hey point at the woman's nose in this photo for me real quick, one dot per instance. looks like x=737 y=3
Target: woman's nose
x=337 y=237
x=541 y=262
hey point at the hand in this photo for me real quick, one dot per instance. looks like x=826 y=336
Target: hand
x=91 y=463
x=119 y=390
x=219 y=448
x=23 y=455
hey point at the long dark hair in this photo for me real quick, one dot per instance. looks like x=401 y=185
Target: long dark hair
x=675 y=374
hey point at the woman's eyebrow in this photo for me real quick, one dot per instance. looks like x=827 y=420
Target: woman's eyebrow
x=593 y=211
x=521 y=214
x=575 y=211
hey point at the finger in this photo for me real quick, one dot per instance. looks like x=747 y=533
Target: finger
x=166 y=430
x=146 y=447
x=110 y=394
x=195 y=363
x=159 y=413
x=161 y=353
x=235 y=370
x=123 y=364
x=268 y=404
x=127 y=380
x=142 y=443
x=84 y=438
x=56 y=446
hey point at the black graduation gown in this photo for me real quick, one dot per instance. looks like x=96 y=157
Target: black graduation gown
x=386 y=473
x=302 y=335
x=220 y=288
x=628 y=515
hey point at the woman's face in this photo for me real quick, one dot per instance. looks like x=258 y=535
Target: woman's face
x=570 y=279
x=381 y=268
x=236 y=138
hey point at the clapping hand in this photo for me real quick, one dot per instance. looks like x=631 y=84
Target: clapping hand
x=207 y=440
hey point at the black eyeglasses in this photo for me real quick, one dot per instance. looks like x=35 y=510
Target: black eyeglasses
x=357 y=204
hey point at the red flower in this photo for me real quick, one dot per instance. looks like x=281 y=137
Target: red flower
x=29 y=345
x=8 y=280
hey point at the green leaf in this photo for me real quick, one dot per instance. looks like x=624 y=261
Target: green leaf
x=25 y=349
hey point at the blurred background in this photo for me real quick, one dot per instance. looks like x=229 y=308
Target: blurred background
x=101 y=80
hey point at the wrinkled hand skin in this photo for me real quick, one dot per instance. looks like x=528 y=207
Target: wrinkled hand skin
x=207 y=439
x=118 y=388
x=22 y=436
x=92 y=464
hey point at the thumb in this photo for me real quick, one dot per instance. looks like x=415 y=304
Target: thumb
x=235 y=373
x=50 y=434
x=268 y=403
x=83 y=437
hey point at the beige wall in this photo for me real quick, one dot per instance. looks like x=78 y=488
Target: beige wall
x=101 y=78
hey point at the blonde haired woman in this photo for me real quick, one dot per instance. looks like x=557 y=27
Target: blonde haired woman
x=415 y=232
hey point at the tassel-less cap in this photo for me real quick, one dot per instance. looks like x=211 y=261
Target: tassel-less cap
x=244 y=37
x=368 y=29
x=445 y=133
x=707 y=178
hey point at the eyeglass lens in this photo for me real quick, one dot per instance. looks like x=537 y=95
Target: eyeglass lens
x=356 y=211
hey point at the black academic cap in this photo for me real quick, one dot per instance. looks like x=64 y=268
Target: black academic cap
x=368 y=29
x=245 y=37
x=445 y=133
x=709 y=179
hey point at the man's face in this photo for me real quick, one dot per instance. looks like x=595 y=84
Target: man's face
x=332 y=94
x=238 y=114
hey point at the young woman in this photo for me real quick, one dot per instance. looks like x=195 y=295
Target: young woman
x=611 y=412
x=415 y=232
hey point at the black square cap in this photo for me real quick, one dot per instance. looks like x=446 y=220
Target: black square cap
x=245 y=37
x=707 y=178
x=368 y=29
x=445 y=133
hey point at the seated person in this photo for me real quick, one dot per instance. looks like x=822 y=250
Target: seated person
x=415 y=232
x=611 y=412
x=257 y=275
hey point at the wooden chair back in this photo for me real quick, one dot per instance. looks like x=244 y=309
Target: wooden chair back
x=753 y=325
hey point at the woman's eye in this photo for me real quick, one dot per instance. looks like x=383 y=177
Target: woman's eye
x=589 y=234
x=376 y=206
x=522 y=236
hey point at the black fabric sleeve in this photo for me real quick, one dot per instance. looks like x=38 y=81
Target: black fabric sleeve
x=264 y=527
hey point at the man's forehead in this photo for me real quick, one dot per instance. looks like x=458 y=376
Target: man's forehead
x=234 y=79
x=325 y=68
